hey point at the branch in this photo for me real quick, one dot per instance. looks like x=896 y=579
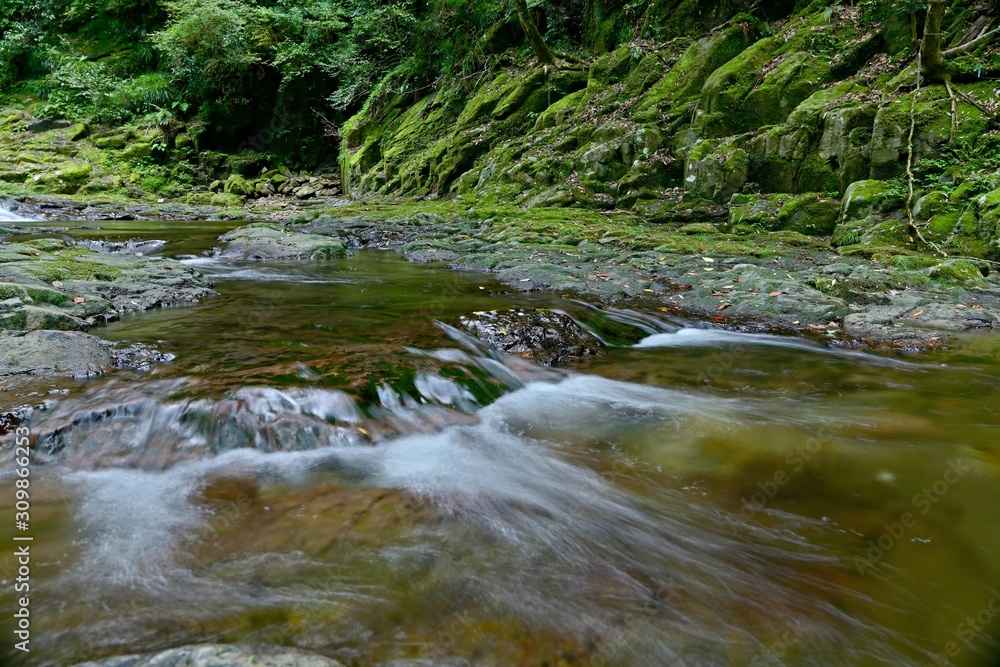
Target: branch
x=964 y=48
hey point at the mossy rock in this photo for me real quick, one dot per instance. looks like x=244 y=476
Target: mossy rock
x=602 y=162
x=66 y=180
x=649 y=70
x=100 y=185
x=810 y=214
x=112 y=142
x=559 y=112
x=958 y=271
x=226 y=200
x=138 y=150
x=931 y=204
x=794 y=80
x=199 y=198
x=36 y=318
x=519 y=93
x=644 y=180
x=871 y=233
x=866 y=198
x=723 y=108
x=687 y=77
x=699 y=228
x=480 y=107
x=933 y=128
x=237 y=185
x=759 y=210
x=184 y=142
x=77 y=132
x=611 y=67
x=715 y=171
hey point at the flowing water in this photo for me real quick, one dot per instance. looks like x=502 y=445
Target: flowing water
x=6 y=215
x=329 y=464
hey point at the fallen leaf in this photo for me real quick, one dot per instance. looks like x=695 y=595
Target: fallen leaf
x=708 y=259
x=977 y=307
x=57 y=283
x=775 y=293
x=916 y=314
x=169 y=268
x=78 y=299
x=724 y=306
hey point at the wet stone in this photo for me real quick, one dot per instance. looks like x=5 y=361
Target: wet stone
x=213 y=655
x=545 y=337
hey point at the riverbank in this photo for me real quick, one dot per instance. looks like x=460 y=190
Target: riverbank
x=54 y=290
x=748 y=278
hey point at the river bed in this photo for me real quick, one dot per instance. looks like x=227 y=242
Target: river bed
x=328 y=463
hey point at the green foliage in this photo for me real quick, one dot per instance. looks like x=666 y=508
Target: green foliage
x=77 y=88
x=880 y=11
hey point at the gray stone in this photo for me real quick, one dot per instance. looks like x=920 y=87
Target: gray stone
x=48 y=353
x=266 y=241
x=216 y=655
x=543 y=336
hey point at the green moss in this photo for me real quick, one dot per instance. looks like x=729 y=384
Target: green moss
x=237 y=185
x=723 y=108
x=810 y=214
x=649 y=70
x=686 y=78
x=797 y=77
x=611 y=67
x=956 y=271
x=51 y=270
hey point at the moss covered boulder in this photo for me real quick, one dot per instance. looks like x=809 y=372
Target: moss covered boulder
x=267 y=241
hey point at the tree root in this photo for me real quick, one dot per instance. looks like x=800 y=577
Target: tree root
x=909 y=166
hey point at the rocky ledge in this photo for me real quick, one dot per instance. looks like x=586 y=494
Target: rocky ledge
x=52 y=291
x=778 y=281
x=267 y=241
x=52 y=284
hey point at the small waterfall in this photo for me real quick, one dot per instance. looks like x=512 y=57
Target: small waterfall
x=6 y=215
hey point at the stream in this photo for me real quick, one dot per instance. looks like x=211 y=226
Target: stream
x=330 y=463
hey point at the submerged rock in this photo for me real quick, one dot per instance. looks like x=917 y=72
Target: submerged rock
x=546 y=337
x=267 y=241
x=53 y=353
x=217 y=655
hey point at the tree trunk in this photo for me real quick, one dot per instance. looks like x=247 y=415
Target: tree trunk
x=931 y=60
x=531 y=30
